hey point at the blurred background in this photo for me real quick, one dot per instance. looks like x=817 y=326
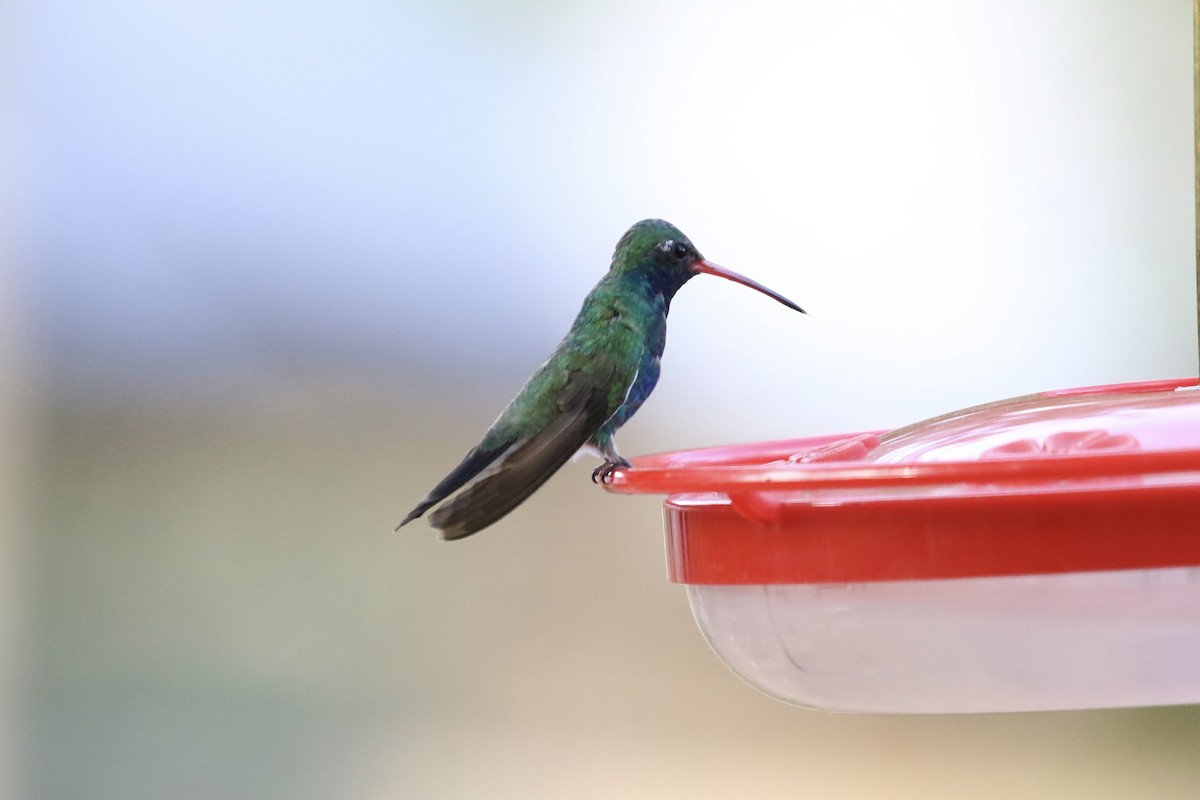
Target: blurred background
x=267 y=270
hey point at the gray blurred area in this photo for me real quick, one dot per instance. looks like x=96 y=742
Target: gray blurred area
x=271 y=270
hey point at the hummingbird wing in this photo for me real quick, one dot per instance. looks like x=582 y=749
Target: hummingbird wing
x=584 y=403
x=472 y=464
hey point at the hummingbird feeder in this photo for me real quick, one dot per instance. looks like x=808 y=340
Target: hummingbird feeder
x=1030 y=554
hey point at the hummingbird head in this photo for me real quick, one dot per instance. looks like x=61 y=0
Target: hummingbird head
x=657 y=252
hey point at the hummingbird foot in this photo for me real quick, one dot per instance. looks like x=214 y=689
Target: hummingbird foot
x=603 y=473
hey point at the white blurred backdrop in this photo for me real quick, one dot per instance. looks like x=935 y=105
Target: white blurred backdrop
x=273 y=267
x=971 y=199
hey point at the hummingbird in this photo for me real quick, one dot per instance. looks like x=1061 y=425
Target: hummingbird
x=596 y=379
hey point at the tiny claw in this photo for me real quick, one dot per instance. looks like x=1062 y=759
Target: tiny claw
x=603 y=473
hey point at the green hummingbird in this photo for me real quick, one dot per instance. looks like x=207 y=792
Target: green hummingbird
x=597 y=378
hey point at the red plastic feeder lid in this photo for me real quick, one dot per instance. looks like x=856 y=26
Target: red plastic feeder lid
x=1100 y=478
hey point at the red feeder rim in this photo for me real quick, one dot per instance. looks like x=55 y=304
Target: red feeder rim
x=1097 y=478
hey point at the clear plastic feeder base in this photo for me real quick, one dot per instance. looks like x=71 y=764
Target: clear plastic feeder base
x=1014 y=643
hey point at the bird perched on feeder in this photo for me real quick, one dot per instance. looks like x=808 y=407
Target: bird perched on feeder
x=595 y=380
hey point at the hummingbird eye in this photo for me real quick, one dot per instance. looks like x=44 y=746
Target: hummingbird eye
x=679 y=250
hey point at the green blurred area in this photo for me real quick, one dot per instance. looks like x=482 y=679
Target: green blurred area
x=218 y=608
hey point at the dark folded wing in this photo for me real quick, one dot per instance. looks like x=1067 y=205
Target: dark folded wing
x=585 y=403
x=474 y=463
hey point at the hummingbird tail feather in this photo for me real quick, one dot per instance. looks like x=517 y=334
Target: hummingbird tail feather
x=525 y=467
x=490 y=499
x=474 y=463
